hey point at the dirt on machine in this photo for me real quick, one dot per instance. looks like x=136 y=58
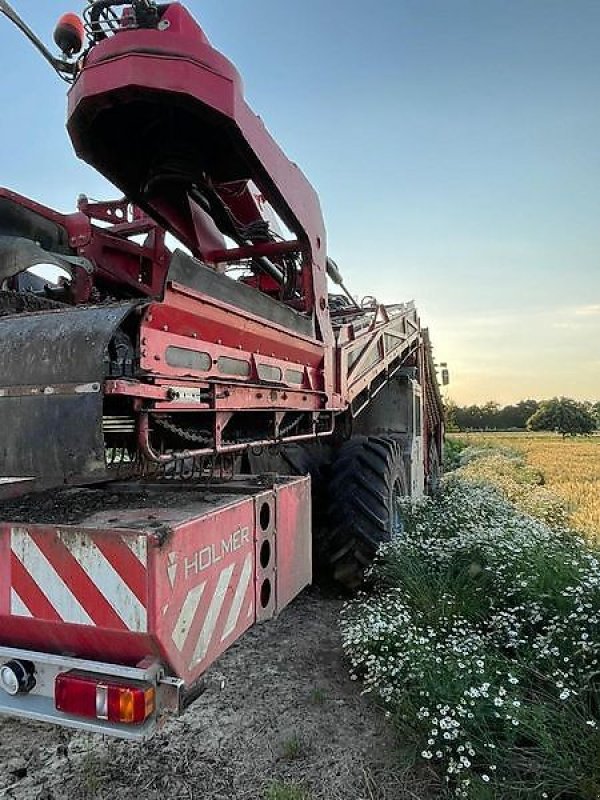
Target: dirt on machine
x=164 y=409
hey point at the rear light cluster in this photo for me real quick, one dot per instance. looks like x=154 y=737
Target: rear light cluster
x=103 y=698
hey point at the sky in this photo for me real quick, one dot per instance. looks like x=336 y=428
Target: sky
x=455 y=147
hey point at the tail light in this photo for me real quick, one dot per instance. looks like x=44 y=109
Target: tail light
x=104 y=698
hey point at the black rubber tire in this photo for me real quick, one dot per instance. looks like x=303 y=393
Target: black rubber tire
x=310 y=459
x=300 y=460
x=367 y=475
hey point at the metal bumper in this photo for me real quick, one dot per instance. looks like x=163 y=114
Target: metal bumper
x=38 y=704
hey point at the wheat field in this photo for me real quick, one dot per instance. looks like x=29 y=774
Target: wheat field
x=571 y=469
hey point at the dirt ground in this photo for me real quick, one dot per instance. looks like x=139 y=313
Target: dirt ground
x=288 y=724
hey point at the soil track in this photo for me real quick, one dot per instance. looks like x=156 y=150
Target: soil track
x=288 y=717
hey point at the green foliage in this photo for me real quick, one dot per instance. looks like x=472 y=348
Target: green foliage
x=564 y=416
x=489 y=416
x=292 y=748
x=450 y=412
x=482 y=640
x=318 y=696
x=452 y=451
x=286 y=791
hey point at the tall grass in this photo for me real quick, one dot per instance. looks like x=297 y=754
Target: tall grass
x=481 y=637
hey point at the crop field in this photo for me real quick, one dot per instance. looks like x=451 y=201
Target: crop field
x=570 y=468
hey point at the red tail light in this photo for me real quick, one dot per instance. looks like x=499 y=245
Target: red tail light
x=103 y=698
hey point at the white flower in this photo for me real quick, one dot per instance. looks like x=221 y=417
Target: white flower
x=397 y=647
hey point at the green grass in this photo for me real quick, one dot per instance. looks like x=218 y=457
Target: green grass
x=292 y=748
x=318 y=696
x=481 y=638
x=286 y=791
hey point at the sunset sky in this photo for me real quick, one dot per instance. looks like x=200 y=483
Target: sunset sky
x=455 y=145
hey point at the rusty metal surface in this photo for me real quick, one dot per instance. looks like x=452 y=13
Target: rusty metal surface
x=47 y=434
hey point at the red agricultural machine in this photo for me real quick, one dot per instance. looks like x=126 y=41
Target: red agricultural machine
x=161 y=406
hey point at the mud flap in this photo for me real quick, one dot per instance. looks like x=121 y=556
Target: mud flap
x=52 y=368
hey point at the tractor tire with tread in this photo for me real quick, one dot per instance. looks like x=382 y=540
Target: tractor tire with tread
x=368 y=475
x=304 y=459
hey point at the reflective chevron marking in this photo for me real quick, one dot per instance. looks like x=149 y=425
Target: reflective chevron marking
x=212 y=615
x=17 y=606
x=110 y=583
x=139 y=547
x=186 y=616
x=213 y=611
x=49 y=582
x=64 y=576
x=238 y=599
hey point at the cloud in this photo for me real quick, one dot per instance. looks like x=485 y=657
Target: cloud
x=588 y=311
x=570 y=326
x=511 y=353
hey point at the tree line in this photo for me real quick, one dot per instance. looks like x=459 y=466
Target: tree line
x=560 y=414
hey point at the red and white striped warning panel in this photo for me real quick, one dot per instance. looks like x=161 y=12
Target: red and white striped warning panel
x=208 y=597
x=177 y=582
x=211 y=611
x=79 y=577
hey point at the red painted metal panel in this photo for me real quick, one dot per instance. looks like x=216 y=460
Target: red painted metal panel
x=60 y=594
x=84 y=641
x=202 y=575
x=228 y=395
x=294 y=547
x=199 y=316
x=179 y=583
x=78 y=576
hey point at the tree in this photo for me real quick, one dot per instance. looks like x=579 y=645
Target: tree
x=563 y=415
x=515 y=416
x=596 y=413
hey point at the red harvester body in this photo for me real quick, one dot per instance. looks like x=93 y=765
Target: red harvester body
x=165 y=369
